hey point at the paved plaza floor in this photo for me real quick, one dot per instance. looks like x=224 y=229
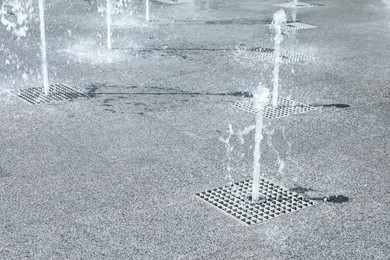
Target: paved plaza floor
x=114 y=174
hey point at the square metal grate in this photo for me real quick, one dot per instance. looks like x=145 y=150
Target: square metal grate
x=234 y=200
x=286 y=56
x=286 y=107
x=292 y=5
x=57 y=92
x=295 y=26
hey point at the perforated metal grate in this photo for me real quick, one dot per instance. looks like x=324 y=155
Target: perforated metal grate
x=286 y=56
x=295 y=26
x=235 y=201
x=285 y=108
x=292 y=5
x=57 y=92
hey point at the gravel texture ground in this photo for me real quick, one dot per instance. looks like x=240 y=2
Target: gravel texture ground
x=114 y=175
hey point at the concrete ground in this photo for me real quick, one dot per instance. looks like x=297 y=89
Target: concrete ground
x=114 y=175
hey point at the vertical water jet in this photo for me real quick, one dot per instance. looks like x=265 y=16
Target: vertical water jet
x=147 y=11
x=260 y=98
x=108 y=16
x=45 y=74
x=277 y=23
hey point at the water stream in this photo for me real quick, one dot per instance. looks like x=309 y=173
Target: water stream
x=109 y=21
x=277 y=23
x=260 y=101
x=45 y=74
x=147 y=11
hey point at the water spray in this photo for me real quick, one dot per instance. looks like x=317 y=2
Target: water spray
x=260 y=101
x=279 y=20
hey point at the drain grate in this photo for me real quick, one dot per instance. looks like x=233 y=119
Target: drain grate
x=286 y=56
x=295 y=26
x=58 y=92
x=234 y=200
x=292 y=5
x=286 y=107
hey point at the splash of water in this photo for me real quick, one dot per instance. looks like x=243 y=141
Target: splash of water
x=277 y=23
x=86 y=51
x=229 y=149
x=232 y=150
x=15 y=15
x=260 y=101
x=112 y=7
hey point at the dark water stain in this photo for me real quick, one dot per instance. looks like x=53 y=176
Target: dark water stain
x=291 y=21
x=329 y=199
x=261 y=49
x=183 y=93
x=171 y=50
x=332 y=199
x=238 y=21
x=181 y=52
x=300 y=189
x=337 y=105
x=165 y=91
x=331 y=105
x=161 y=88
x=108 y=100
x=110 y=110
x=91 y=90
x=241 y=94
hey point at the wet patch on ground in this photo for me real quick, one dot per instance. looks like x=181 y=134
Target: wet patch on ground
x=300 y=189
x=331 y=105
x=239 y=21
x=329 y=199
x=332 y=199
x=92 y=91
